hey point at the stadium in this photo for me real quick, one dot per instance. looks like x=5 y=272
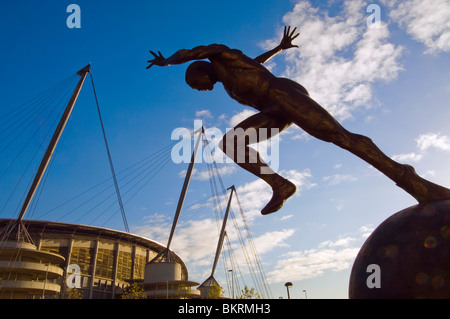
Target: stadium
x=108 y=261
x=42 y=259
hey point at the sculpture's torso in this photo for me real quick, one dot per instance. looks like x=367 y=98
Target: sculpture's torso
x=244 y=79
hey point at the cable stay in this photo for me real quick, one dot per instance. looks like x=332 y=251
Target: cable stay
x=14 y=124
x=35 y=112
x=254 y=251
x=116 y=185
x=50 y=149
x=132 y=180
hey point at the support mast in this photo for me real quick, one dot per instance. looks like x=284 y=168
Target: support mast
x=53 y=142
x=207 y=285
x=185 y=187
x=166 y=255
x=223 y=231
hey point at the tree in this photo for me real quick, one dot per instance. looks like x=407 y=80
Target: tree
x=183 y=291
x=216 y=292
x=134 y=291
x=73 y=293
x=249 y=294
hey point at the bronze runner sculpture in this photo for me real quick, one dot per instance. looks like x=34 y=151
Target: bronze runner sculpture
x=282 y=102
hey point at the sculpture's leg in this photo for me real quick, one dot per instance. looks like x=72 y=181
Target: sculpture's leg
x=235 y=145
x=315 y=120
x=403 y=175
x=364 y=148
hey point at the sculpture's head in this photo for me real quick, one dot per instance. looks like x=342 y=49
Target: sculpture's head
x=200 y=76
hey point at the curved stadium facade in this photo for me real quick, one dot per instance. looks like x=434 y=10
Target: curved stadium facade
x=108 y=261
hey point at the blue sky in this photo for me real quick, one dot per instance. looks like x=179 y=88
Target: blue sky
x=389 y=83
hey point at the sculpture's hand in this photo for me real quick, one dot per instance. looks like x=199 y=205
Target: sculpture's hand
x=158 y=60
x=288 y=37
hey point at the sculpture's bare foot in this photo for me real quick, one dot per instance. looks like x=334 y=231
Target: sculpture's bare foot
x=281 y=193
x=421 y=189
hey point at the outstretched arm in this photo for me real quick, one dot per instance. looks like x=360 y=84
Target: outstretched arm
x=183 y=56
x=285 y=43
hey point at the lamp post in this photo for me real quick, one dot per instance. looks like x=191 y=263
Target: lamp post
x=232 y=283
x=288 y=285
x=306 y=296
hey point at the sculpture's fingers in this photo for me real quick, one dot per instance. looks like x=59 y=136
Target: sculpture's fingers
x=293 y=31
x=295 y=36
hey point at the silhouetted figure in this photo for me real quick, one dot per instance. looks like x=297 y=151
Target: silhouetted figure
x=282 y=102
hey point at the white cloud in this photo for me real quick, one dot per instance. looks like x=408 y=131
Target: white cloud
x=338 y=179
x=433 y=140
x=302 y=179
x=340 y=57
x=156 y=227
x=271 y=240
x=409 y=157
x=426 y=21
x=203 y=114
x=342 y=242
x=195 y=241
x=286 y=217
x=203 y=175
x=365 y=231
x=298 y=133
x=300 y=265
x=425 y=142
x=253 y=196
x=238 y=118
x=328 y=256
x=339 y=203
x=302 y=137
